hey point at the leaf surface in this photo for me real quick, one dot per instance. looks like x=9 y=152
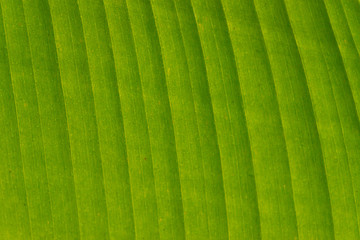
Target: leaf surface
x=179 y=119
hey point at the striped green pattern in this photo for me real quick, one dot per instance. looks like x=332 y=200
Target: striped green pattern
x=179 y=119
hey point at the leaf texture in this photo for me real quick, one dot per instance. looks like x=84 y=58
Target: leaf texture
x=180 y=119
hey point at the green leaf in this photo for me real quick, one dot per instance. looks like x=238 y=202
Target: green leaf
x=180 y=119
